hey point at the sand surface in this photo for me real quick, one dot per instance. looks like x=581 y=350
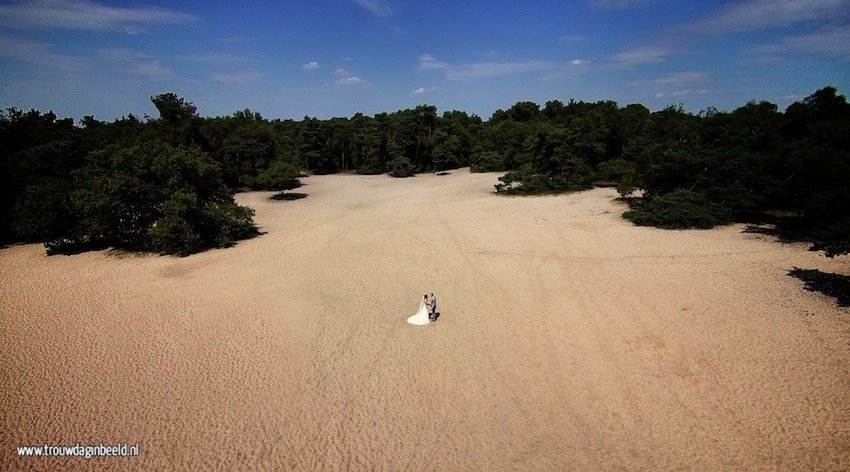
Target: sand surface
x=569 y=340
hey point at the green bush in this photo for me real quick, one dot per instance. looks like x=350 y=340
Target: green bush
x=526 y=182
x=487 y=161
x=445 y=153
x=615 y=170
x=621 y=171
x=174 y=233
x=41 y=211
x=280 y=176
x=401 y=167
x=153 y=198
x=678 y=209
x=225 y=222
x=371 y=165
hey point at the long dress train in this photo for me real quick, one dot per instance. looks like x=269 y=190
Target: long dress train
x=421 y=316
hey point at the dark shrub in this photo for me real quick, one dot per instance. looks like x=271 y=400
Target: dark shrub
x=174 y=233
x=153 y=198
x=41 y=211
x=525 y=182
x=401 y=167
x=225 y=222
x=679 y=209
x=371 y=164
x=487 y=161
x=280 y=175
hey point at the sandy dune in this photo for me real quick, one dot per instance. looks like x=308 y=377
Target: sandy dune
x=569 y=339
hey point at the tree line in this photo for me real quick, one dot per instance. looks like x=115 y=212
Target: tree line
x=754 y=164
x=166 y=184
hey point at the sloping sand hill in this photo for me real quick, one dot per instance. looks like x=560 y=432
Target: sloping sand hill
x=569 y=340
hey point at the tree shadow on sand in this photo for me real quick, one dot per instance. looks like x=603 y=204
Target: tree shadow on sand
x=786 y=227
x=287 y=196
x=836 y=286
x=782 y=235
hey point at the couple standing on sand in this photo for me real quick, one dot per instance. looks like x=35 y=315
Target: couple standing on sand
x=427 y=311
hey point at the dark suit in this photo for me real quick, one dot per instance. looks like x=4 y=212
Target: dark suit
x=432 y=307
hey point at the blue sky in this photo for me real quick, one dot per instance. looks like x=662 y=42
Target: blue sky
x=288 y=59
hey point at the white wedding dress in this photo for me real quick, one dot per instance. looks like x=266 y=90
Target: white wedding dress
x=421 y=316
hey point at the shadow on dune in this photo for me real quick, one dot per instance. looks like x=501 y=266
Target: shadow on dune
x=836 y=286
x=67 y=247
x=765 y=230
x=287 y=196
x=782 y=235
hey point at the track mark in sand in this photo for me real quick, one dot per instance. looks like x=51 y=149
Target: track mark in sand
x=497 y=366
x=472 y=263
x=648 y=257
x=361 y=230
x=550 y=363
x=665 y=362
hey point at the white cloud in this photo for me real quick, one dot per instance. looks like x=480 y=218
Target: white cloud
x=833 y=41
x=683 y=93
x=642 y=55
x=748 y=16
x=482 y=70
x=238 y=78
x=567 y=70
x=136 y=63
x=348 y=79
x=376 y=7
x=312 y=65
x=677 y=78
x=41 y=54
x=422 y=91
x=151 y=70
x=86 y=15
x=757 y=14
x=351 y=82
x=427 y=61
x=672 y=86
x=216 y=58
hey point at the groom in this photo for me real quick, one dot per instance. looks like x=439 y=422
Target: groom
x=432 y=308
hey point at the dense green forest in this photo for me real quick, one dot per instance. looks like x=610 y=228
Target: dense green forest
x=166 y=184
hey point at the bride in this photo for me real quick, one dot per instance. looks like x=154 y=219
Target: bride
x=421 y=316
